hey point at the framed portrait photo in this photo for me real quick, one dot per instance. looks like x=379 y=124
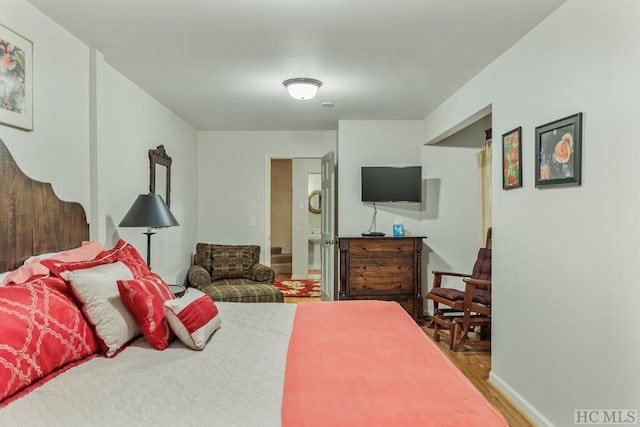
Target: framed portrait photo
x=559 y=152
x=16 y=80
x=511 y=155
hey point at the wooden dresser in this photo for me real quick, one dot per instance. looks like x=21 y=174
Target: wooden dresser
x=383 y=268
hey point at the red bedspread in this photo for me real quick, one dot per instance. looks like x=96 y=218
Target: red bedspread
x=366 y=363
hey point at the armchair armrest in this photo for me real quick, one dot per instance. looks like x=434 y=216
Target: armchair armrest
x=477 y=300
x=261 y=273
x=198 y=276
x=450 y=273
x=437 y=276
x=477 y=282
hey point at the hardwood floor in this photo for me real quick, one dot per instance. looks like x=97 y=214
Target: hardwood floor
x=300 y=300
x=475 y=365
x=283 y=276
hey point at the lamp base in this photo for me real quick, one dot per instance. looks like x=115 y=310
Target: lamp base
x=149 y=234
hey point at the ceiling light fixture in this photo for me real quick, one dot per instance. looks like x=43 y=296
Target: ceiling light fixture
x=302 y=88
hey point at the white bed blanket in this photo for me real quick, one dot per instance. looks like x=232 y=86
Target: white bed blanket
x=237 y=380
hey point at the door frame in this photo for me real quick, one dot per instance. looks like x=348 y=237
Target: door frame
x=267 y=193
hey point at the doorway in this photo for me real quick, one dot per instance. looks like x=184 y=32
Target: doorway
x=295 y=217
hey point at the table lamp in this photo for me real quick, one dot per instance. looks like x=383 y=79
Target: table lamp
x=149 y=210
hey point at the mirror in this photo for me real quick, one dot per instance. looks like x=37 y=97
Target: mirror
x=160 y=173
x=314 y=201
x=313 y=188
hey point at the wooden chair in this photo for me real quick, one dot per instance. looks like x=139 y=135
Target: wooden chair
x=465 y=309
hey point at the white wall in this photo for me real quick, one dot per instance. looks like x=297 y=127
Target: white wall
x=92 y=130
x=375 y=143
x=452 y=205
x=57 y=151
x=233 y=180
x=560 y=341
x=130 y=123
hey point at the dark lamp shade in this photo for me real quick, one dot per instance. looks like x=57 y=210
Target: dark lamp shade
x=149 y=210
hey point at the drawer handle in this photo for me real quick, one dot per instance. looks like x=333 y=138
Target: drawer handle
x=398 y=247
x=364 y=248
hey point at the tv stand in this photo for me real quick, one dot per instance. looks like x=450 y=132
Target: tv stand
x=373 y=234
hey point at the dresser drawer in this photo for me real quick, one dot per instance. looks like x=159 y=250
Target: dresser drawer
x=360 y=266
x=398 y=284
x=381 y=247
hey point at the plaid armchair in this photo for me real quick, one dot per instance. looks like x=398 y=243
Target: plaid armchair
x=233 y=273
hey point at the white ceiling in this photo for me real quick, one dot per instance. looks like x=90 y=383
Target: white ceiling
x=220 y=64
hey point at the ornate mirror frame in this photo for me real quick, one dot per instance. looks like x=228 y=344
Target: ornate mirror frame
x=159 y=157
x=315 y=202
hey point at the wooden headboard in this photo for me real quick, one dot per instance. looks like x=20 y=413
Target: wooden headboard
x=33 y=219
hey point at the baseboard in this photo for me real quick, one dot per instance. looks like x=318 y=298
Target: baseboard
x=524 y=405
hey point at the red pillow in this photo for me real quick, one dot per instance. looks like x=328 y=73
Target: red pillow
x=145 y=300
x=122 y=251
x=193 y=318
x=42 y=330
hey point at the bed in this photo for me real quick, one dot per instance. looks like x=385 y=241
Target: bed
x=347 y=363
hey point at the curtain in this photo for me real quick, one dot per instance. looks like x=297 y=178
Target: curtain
x=484 y=167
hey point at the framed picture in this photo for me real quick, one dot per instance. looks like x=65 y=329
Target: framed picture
x=559 y=152
x=511 y=155
x=16 y=80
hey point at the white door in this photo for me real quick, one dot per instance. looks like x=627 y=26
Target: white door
x=327 y=228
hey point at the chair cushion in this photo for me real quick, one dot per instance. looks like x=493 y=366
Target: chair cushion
x=247 y=292
x=223 y=261
x=482 y=267
x=203 y=256
x=448 y=293
x=482 y=296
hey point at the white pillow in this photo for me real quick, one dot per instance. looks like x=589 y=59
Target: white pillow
x=97 y=290
x=3 y=276
x=193 y=318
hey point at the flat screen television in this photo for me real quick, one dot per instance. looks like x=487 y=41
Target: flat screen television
x=392 y=184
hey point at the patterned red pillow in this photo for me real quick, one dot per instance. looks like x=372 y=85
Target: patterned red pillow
x=145 y=300
x=122 y=251
x=42 y=330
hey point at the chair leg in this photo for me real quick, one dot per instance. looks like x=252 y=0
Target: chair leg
x=436 y=331
x=436 y=326
x=461 y=329
x=455 y=337
x=452 y=337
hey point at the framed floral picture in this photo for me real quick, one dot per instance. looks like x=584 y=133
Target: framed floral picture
x=511 y=155
x=16 y=80
x=559 y=152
